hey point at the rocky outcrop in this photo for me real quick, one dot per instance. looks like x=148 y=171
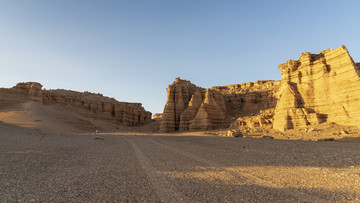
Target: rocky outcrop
x=249 y=98
x=211 y=114
x=263 y=119
x=33 y=89
x=318 y=88
x=157 y=116
x=99 y=107
x=190 y=113
x=189 y=107
x=88 y=104
x=179 y=95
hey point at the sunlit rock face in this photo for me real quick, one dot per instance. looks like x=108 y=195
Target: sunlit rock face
x=157 y=116
x=189 y=107
x=318 y=88
x=179 y=94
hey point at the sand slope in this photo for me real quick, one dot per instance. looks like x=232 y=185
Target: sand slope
x=50 y=118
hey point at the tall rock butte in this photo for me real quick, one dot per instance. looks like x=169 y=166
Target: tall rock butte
x=91 y=105
x=317 y=88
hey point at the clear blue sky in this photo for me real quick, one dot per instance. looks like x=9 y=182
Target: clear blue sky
x=133 y=49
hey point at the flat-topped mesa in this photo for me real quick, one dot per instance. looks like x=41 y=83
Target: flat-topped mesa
x=189 y=107
x=318 y=88
x=99 y=107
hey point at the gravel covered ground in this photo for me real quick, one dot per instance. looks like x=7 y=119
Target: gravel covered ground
x=144 y=168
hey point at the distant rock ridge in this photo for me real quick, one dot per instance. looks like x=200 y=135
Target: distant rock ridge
x=316 y=88
x=88 y=104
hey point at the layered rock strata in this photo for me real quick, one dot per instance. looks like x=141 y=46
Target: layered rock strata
x=189 y=107
x=20 y=93
x=88 y=104
x=318 y=88
x=249 y=98
x=32 y=89
x=99 y=107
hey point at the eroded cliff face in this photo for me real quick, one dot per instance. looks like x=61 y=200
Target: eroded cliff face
x=189 y=107
x=318 y=88
x=88 y=104
x=32 y=89
x=99 y=107
x=249 y=98
x=179 y=95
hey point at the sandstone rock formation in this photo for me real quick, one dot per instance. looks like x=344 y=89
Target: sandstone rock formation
x=318 y=88
x=234 y=133
x=33 y=89
x=99 y=107
x=263 y=119
x=88 y=104
x=157 y=116
x=20 y=93
x=178 y=97
x=249 y=98
x=211 y=114
x=189 y=107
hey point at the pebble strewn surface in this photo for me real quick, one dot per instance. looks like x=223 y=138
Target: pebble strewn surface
x=140 y=168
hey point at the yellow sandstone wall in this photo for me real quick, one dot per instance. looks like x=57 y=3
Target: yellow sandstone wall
x=318 y=88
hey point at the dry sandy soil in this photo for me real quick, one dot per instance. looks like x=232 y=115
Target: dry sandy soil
x=45 y=158
x=124 y=167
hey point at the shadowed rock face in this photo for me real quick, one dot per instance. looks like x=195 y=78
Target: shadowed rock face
x=99 y=107
x=88 y=104
x=33 y=89
x=189 y=107
x=318 y=88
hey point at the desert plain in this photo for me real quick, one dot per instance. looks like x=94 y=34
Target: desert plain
x=141 y=167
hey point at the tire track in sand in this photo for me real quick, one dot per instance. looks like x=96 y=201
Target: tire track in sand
x=301 y=196
x=161 y=186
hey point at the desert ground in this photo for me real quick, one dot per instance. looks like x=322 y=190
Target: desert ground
x=36 y=166
x=49 y=153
